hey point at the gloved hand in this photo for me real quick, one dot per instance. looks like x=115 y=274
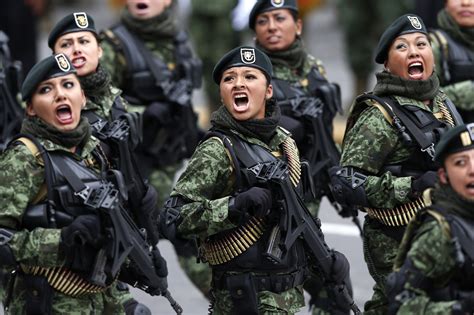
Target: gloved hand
x=132 y=307
x=80 y=241
x=161 y=270
x=339 y=268
x=423 y=182
x=149 y=213
x=135 y=122
x=256 y=201
x=156 y=112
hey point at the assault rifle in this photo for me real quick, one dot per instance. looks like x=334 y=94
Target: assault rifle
x=321 y=151
x=128 y=240
x=118 y=131
x=297 y=222
x=11 y=113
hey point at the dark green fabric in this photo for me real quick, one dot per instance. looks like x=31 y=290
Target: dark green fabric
x=421 y=90
x=97 y=83
x=294 y=57
x=69 y=139
x=447 y=23
x=161 y=26
x=262 y=129
x=445 y=196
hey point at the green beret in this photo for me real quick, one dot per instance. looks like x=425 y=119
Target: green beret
x=408 y=23
x=457 y=139
x=269 y=5
x=243 y=56
x=50 y=67
x=74 y=22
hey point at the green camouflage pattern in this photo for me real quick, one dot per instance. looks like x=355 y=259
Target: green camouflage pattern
x=363 y=22
x=461 y=93
x=22 y=177
x=429 y=246
x=370 y=144
x=212 y=18
x=163 y=180
x=208 y=181
x=102 y=104
x=269 y=303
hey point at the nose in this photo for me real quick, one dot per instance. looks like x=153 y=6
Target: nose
x=60 y=94
x=76 y=48
x=413 y=51
x=466 y=2
x=239 y=81
x=271 y=24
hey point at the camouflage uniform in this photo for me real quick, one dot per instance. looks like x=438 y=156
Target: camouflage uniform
x=429 y=239
x=208 y=183
x=371 y=143
x=212 y=17
x=22 y=177
x=162 y=177
x=363 y=21
x=453 y=49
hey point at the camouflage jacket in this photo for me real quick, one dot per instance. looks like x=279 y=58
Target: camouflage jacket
x=21 y=180
x=102 y=104
x=461 y=93
x=373 y=143
x=284 y=73
x=208 y=182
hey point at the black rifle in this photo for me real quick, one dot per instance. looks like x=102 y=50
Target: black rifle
x=11 y=113
x=321 y=151
x=297 y=222
x=128 y=240
x=118 y=132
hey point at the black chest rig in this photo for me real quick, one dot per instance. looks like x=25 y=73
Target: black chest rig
x=308 y=115
x=246 y=244
x=457 y=60
x=151 y=79
x=63 y=204
x=417 y=128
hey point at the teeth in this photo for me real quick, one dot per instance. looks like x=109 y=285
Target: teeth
x=240 y=95
x=415 y=64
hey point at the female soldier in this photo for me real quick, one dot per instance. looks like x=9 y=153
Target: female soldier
x=453 y=47
x=54 y=248
x=387 y=153
x=76 y=37
x=442 y=232
x=227 y=207
x=307 y=100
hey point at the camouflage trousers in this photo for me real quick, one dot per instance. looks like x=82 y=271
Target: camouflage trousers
x=269 y=303
x=380 y=251
x=91 y=304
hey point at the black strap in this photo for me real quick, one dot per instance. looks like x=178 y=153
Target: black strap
x=73 y=180
x=392 y=108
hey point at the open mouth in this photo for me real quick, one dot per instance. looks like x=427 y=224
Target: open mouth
x=142 y=6
x=241 y=102
x=78 y=62
x=64 y=114
x=415 y=70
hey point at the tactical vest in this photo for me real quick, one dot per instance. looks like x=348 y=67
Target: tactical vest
x=457 y=60
x=242 y=248
x=150 y=78
x=417 y=128
x=310 y=105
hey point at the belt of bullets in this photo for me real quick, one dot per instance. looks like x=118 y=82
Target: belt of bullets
x=234 y=243
x=293 y=160
x=446 y=114
x=398 y=216
x=64 y=280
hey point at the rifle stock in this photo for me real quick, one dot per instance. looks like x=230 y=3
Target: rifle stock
x=297 y=222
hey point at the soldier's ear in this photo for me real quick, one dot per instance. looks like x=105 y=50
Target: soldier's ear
x=443 y=176
x=29 y=109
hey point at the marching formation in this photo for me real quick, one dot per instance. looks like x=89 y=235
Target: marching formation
x=102 y=156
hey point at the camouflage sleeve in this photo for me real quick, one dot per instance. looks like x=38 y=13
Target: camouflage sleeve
x=207 y=182
x=430 y=246
x=368 y=146
x=21 y=180
x=462 y=94
x=114 y=62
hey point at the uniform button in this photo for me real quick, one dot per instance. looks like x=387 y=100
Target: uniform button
x=240 y=292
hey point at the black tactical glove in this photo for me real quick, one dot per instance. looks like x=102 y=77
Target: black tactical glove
x=132 y=307
x=134 y=121
x=339 y=268
x=149 y=212
x=423 y=182
x=347 y=186
x=81 y=241
x=156 y=113
x=256 y=201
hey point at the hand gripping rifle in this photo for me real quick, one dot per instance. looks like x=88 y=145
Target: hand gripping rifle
x=126 y=240
x=297 y=222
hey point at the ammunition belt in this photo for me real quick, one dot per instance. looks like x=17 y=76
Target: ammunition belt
x=398 y=216
x=64 y=280
x=234 y=243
